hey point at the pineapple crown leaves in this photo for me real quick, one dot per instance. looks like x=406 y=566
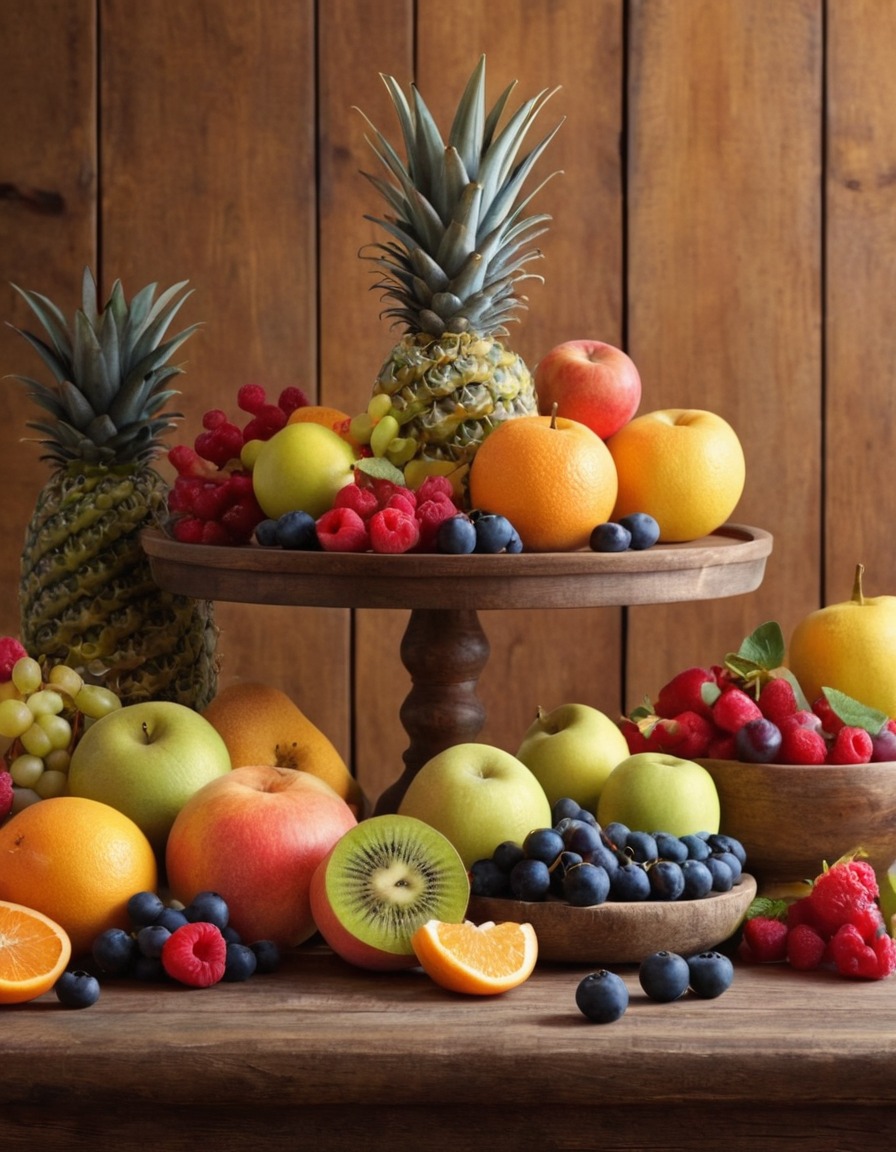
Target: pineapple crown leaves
x=460 y=243
x=109 y=370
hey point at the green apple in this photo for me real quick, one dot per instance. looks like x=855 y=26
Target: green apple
x=886 y=882
x=477 y=796
x=656 y=792
x=571 y=750
x=147 y=760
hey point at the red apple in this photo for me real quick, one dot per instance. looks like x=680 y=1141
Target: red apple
x=591 y=382
x=255 y=836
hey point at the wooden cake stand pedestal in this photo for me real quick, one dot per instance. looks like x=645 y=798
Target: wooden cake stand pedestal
x=444 y=647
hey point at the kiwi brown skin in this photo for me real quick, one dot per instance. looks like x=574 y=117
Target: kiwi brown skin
x=368 y=930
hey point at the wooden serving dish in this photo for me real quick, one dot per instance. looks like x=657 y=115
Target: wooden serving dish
x=612 y=933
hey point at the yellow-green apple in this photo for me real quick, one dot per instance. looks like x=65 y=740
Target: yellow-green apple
x=571 y=750
x=255 y=836
x=589 y=381
x=658 y=792
x=478 y=796
x=147 y=760
x=301 y=468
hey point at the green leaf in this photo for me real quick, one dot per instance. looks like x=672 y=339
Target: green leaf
x=380 y=468
x=854 y=714
x=765 y=646
x=769 y=909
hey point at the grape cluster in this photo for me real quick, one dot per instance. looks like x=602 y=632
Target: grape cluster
x=578 y=861
x=193 y=944
x=212 y=500
x=378 y=429
x=43 y=720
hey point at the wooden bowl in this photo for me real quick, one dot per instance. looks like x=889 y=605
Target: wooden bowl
x=792 y=818
x=616 y=933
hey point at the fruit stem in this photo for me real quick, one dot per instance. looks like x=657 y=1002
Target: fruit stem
x=857 y=594
x=554 y=415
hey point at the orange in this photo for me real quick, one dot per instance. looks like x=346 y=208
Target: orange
x=683 y=466
x=553 y=478
x=479 y=959
x=262 y=725
x=34 y=951
x=76 y=861
x=333 y=418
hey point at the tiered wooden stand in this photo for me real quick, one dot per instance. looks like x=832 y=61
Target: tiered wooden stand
x=444 y=647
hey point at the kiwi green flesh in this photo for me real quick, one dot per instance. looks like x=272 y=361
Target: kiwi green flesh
x=390 y=874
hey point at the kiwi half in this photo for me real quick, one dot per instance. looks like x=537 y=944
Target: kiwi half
x=383 y=879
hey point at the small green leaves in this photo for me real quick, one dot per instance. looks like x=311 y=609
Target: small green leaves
x=854 y=714
x=380 y=469
x=760 y=658
x=768 y=908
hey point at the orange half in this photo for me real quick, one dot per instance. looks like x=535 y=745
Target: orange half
x=34 y=951
x=478 y=959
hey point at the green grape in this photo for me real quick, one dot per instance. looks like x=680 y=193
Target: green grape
x=26 y=770
x=379 y=406
x=401 y=450
x=383 y=434
x=15 y=718
x=95 y=701
x=65 y=679
x=26 y=675
x=360 y=428
x=51 y=784
x=45 y=702
x=57 y=728
x=58 y=760
x=36 y=741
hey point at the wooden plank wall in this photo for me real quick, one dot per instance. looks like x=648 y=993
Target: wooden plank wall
x=725 y=211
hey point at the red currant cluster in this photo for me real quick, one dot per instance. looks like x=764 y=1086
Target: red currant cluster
x=838 y=925
x=379 y=515
x=212 y=500
x=714 y=712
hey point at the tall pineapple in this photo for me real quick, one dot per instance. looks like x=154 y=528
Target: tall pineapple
x=458 y=252
x=87 y=597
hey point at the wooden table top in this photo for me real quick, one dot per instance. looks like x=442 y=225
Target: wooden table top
x=325 y=1056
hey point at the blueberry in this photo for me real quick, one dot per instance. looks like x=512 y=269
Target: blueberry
x=456 y=535
x=493 y=532
x=630 y=884
x=515 y=543
x=733 y=863
x=561 y=867
x=114 y=951
x=664 y=976
x=230 y=934
x=543 y=844
x=666 y=880
x=297 y=531
x=208 y=907
x=587 y=817
x=711 y=974
x=77 y=989
x=487 y=879
x=670 y=847
x=148 y=969
x=507 y=854
x=641 y=847
x=564 y=809
x=721 y=842
x=697 y=880
x=266 y=533
x=586 y=885
x=602 y=855
x=602 y=997
x=172 y=918
x=240 y=962
x=610 y=537
x=698 y=846
x=582 y=838
x=722 y=878
x=144 y=908
x=758 y=741
x=267 y=955
x=151 y=939
x=615 y=834
x=643 y=528
x=530 y=880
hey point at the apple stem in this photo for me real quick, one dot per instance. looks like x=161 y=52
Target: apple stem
x=857 y=594
x=145 y=728
x=554 y=415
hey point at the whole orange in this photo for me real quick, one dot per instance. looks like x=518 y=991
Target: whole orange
x=78 y=862
x=553 y=478
x=329 y=417
x=683 y=466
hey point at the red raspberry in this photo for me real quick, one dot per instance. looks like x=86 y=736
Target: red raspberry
x=266 y=421
x=837 y=895
x=251 y=397
x=186 y=462
x=290 y=399
x=870 y=923
x=634 y=737
x=400 y=501
x=212 y=501
x=829 y=718
x=429 y=515
x=800 y=912
x=685 y=693
x=361 y=500
x=6 y=795
x=342 y=530
x=851 y=746
x=801 y=718
x=722 y=747
x=242 y=518
x=777 y=700
x=195 y=954
x=766 y=939
x=733 y=709
x=392 y=530
x=434 y=488
x=692 y=734
x=867 y=877
x=802 y=746
x=214 y=533
x=11 y=650
x=189 y=530
x=805 y=948
x=853 y=957
x=214 y=418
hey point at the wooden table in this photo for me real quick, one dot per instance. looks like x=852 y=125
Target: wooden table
x=322 y=1056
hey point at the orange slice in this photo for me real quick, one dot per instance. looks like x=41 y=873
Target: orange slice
x=34 y=951
x=479 y=959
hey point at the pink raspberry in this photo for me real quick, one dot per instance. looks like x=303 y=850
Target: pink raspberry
x=214 y=418
x=866 y=876
x=195 y=954
x=690 y=734
x=291 y=398
x=361 y=500
x=853 y=957
x=7 y=795
x=251 y=397
x=221 y=445
x=434 y=488
x=766 y=939
x=837 y=895
x=685 y=693
x=11 y=650
x=828 y=717
x=805 y=948
x=342 y=530
x=802 y=746
x=733 y=709
x=266 y=421
x=392 y=530
x=777 y=700
x=186 y=462
x=400 y=501
x=430 y=513
x=851 y=746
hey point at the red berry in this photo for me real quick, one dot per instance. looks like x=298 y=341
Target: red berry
x=187 y=463
x=212 y=501
x=851 y=746
x=242 y=518
x=805 y=948
x=213 y=533
x=290 y=399
x=7 y=795
x=400 y=501
x=722 y=747
x=634 y=737
x=189 y=530
x=11 y=650
x=359 y=499
x=829 y=718
x=430 y=513
x=837 y=895
x=766 y=939
x=434 y=488
x=685 y=693
x=214 y=418
x=693 y=733
x=392 y=530
x=733 y=709
x=802 y=746
x=251 y=397
x=777 y=700
x=195 y=954
x=341 y=529
x=221 y=445
x=853 y=957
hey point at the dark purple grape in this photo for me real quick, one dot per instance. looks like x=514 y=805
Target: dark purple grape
x=758 y=741
x=543 y=844
x=487 y=879
x=507 y=854
x=586 y=885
